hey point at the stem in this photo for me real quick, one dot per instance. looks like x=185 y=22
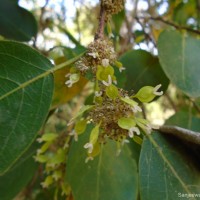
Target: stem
x=182 y=133
x=100 y=31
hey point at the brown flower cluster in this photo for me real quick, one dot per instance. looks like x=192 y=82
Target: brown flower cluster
x=112 y=7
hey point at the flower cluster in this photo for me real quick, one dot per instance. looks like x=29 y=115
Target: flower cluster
x=112 y=6
x=52 y=154
x=114 y=113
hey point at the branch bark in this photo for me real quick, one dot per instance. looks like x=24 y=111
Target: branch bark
x=100 y=31
x=182 y=133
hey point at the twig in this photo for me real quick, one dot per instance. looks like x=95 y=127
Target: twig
x=40 y=23
x=169 y=23
x=100 y=30
x=182 y=133
x=147 y=36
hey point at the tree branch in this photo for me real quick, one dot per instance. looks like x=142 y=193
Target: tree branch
x=182 y=133
x=169 y=23
x=100 y=30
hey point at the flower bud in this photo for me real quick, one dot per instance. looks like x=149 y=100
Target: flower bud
x=80 y=126
x=112 y=92
x=103 y=73
x=145 y=94
x=126 y=123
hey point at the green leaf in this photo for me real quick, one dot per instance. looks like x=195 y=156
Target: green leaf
x=106 y=177
x=179 y=57
x=143 y=69
x=16 y=22
x=18 y=177
x=167 y=169
x=24 y=104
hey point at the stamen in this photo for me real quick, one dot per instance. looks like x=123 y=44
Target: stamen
x=89 y=146
x=69 y=83
x=155 y=90
x=109 y=81
x=121 y=69
x=94 y=54
x=136 y=108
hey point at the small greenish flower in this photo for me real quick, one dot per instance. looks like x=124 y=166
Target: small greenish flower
x=120 y=66
x=80 y=126
x=126 y=123
x=79 y=129
x=134 y=104
x=132 y=130
x=57 y=175
x=47 y=182
x=93 y=139
x=98 y=93
x=148 y=93
x=47 y=137
x=73 y=78
x=143 y=124
x=109 y=81
x=44 y=147
x=103 y=73
x=109 y=30
x=41 y=158
x=130 y=125
x=95 y=152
